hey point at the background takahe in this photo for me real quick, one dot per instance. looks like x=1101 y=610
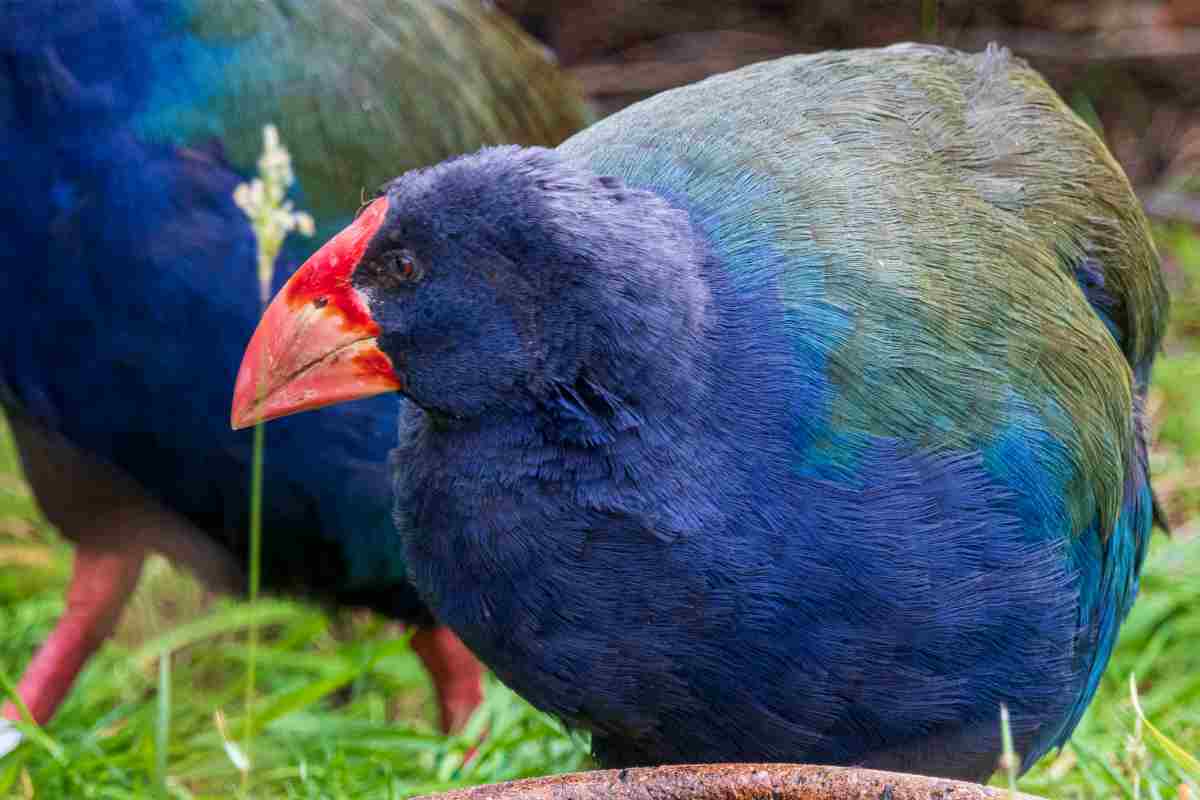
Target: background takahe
x=124 y=128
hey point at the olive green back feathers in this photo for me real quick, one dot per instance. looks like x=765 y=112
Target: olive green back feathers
x=942 y=206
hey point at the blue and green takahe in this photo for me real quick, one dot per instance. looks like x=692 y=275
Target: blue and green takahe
x=125 y=126
x=794 y=415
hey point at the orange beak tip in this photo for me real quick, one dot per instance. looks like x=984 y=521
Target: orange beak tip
x=348 y=370
x=315 y=345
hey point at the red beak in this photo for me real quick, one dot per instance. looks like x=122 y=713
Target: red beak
x=315 y=345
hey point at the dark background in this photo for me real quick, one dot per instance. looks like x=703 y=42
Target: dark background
x=1130 y=68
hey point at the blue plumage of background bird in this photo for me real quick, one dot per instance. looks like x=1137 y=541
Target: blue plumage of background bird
x=794 y=415
x=125 y=127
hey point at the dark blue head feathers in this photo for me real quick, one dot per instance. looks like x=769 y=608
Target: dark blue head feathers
x=541 y=284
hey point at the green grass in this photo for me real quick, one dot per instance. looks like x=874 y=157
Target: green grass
x=343 y=709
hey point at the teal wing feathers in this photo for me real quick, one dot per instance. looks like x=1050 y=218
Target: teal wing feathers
x=942 y=216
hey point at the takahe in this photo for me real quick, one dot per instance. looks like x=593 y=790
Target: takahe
x=792 y=415
x=125 y=126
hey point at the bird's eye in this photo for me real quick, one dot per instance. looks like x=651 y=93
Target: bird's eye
x=390 y=270
x=405 y=267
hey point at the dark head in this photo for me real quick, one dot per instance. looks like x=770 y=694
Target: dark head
x=487 y=282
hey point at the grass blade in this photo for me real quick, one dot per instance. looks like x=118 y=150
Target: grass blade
x=233 y=619
x=163 y=728
x=1182 y=758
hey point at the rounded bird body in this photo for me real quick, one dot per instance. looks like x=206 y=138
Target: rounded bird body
x=129 y=124
x=794 y=415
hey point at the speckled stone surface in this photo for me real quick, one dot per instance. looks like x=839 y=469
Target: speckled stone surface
x=733 y=782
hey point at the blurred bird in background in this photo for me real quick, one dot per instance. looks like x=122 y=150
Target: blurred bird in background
x=125 y=126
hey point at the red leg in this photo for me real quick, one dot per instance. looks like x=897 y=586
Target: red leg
x=457 y=674
x=101 y=583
